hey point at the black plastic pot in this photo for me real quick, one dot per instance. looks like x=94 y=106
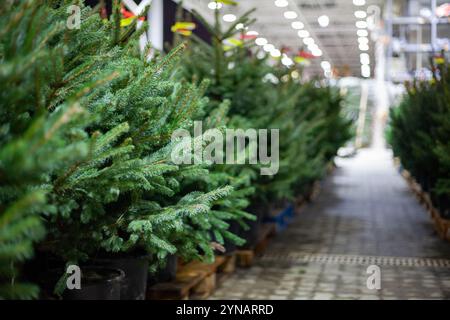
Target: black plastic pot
x=97 y=283
x=169 y=272
x=135 y=268
x=251 y=235
x=166 y=274
x=230 y=247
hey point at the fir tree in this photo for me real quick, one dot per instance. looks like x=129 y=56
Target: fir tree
x=419 y=131
x=128 y=194
x=33 y=145
x=309 y=119
x=117 y=189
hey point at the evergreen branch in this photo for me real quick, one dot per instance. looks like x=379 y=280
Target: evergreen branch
x=172 y=54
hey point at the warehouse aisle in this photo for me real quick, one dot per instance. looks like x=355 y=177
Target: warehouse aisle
x=365 y=215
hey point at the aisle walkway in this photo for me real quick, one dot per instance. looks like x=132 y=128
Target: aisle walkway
x=365 y=215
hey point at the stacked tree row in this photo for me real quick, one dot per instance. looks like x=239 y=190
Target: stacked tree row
x=87 y=175
x=419 y=132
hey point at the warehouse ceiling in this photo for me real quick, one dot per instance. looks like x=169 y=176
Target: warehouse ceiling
x=338 y=41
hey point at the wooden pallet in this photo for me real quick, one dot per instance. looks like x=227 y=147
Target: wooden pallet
x=245 y=258
x=441 y=225
x=445 y=229
x=195 y=280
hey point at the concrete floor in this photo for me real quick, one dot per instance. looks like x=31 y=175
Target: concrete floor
x=365 y=215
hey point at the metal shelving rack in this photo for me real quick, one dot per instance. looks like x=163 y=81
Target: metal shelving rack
x=407 y=23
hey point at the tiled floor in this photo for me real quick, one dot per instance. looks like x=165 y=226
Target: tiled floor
x=365 y=215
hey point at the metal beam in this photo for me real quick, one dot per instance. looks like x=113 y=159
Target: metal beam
x=413 y=48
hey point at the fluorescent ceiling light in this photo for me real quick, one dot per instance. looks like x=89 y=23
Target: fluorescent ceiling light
x=229 y=18
x=213 y=5
x=362 y=33
x=361 y=24
x=359 y=2
x=313 y=47
x=268 y=47
x=325 y=65
x=287 y=62
x=252 y=33
x=363 y=40
x=363 y=47
x=425 y=12
x=303 y=33
x=360 y=14
x=364 y=58
x=275 y=53
x=261 y=41
x=281 y=3
x=308 y=41
x=317 y=52
x=260 y=55
x=290 y=15
x=365 y=71
x=297 y=25
x=323 y=21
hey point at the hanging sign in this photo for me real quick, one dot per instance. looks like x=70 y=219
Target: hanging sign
x=302 y=61
x=228 y=2
x=305 y=54
x=137 y=10
x=246 y=36
x=231 y=43
x=128 y=17
x=183 y=28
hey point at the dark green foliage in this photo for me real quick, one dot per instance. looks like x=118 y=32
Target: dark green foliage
x=26 y=161
x=420 y=133
x=128 y=194
x=85 y=140
x=313 y=128
x=110 y=183
x=33 y=144
x=261 y=96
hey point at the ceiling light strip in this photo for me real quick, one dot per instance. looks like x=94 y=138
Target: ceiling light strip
x=307 y=26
